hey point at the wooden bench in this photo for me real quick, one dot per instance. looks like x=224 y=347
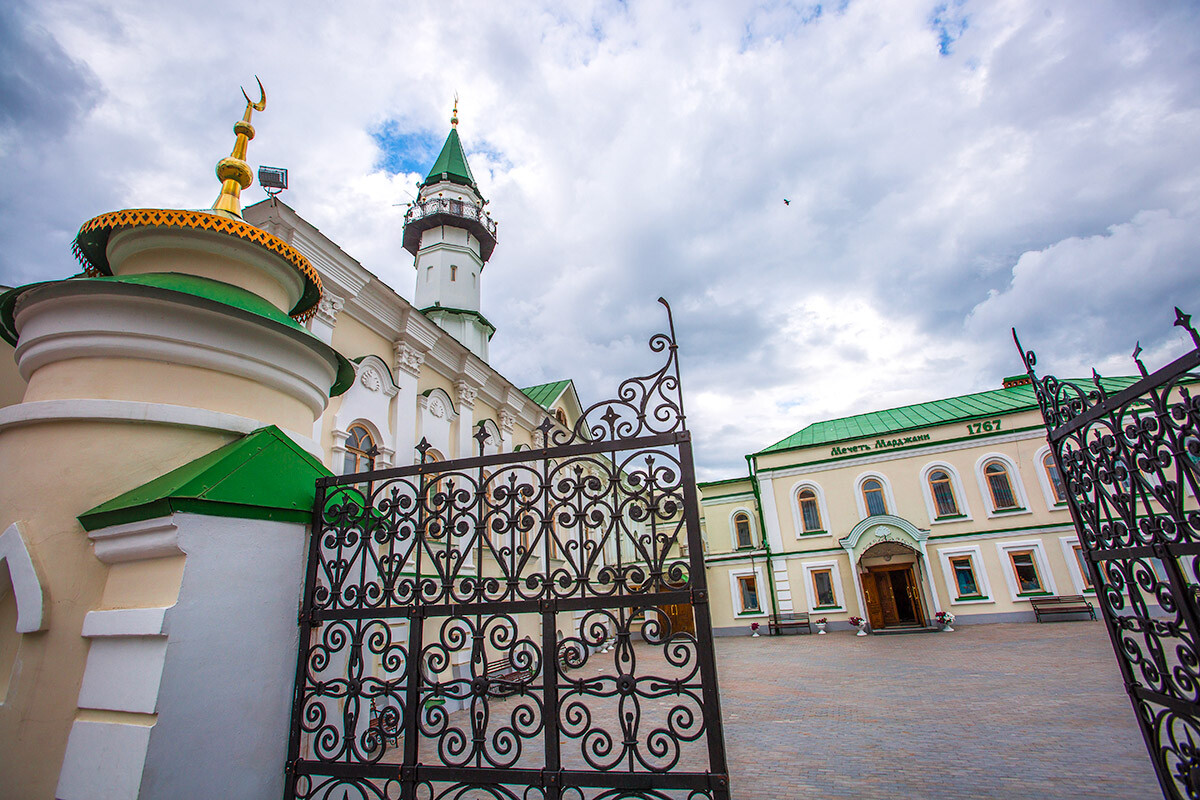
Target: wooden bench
x=501 y=669
x=386 y=723
x=779 y=623
x=1062 y=604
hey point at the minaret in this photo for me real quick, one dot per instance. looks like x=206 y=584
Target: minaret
x=452 y=237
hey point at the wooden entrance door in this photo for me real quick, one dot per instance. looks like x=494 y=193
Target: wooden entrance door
x=893 y=596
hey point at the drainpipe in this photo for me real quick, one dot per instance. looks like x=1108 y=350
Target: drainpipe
x=762 y=531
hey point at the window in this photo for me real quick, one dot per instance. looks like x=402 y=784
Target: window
x=453 y=273
x=1026 y=571
x=1083 y=567
x=964 y=577
x=428 y=274
x=1000 y=486
x=823 y=588
x=1056 y=483
x=943 y=493
x=360 y=451
x=741 y=528
x=561 y=416
x=872 y=491
x=748 y=593
x=810 y=512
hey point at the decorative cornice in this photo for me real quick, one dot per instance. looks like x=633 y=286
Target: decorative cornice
x=136 y=541
x=466 y=394
x=328 y=308
x=507 y=422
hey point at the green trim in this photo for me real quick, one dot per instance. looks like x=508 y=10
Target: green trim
x=1066 y=524
x=762 y=528
x=1016 y=510
x=917 y=446
x=828 y=608
x=1042 y=593
x=723 y=480
x=465 y=312
x=949 y=517
x=544 y=394
x=262 y=475
x=973 y=597
x=815 y=533
x=170 y=285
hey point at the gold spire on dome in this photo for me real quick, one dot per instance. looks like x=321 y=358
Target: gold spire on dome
x=454 y=114
x=233 y=171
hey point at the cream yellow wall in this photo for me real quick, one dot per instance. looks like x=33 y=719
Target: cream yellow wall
x=353 y=339
x=53 y=472
x=111 y=378
x=12 y=385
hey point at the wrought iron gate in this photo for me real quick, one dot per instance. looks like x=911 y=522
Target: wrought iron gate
x=501 y=626
x=1127 y=450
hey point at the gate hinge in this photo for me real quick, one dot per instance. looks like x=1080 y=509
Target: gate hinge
x=718 y=780
x=699 y=596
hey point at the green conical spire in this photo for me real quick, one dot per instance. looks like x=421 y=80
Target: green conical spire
x=451 y=164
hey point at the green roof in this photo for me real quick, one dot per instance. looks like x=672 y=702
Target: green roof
x=546 y=393
x=263 y=475
x=922 y=415
x=208 y=289
x=451 y=164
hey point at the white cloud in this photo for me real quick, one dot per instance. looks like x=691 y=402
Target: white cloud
x=645 y=149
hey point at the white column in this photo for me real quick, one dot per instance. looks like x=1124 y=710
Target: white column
x=322 y=327
x=404 y=422
x=770 y=514
x=925 y=568
x=783 y=586
x=468 y=447
x=858 y=590
x=508 y=421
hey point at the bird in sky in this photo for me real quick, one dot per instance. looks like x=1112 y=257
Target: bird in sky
x=787 y=202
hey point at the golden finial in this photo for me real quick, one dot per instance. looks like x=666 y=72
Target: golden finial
x=454 y=115
x=233 y=172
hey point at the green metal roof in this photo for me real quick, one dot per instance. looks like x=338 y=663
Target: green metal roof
x=546 y=393
x=263 y=475
x=205 y=288
x=921 y=415
x=451 y=164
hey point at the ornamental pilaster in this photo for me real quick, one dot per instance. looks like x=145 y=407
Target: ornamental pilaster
x=466 y=394
x=329 y=307
x=409 y=359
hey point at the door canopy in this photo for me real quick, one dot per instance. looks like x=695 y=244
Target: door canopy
x=883 y=529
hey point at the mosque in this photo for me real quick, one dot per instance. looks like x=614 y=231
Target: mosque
x=204 y=370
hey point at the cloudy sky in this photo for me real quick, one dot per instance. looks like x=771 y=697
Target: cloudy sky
x=953 y=169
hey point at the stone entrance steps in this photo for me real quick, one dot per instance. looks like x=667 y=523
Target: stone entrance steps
x=896 y=631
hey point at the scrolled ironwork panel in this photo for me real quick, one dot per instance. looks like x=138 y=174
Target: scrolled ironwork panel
x=1128 y=453
x=524 y=625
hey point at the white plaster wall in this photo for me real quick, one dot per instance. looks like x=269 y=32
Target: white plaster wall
x=224 y=704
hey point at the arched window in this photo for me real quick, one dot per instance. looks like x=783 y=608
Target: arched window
x=942 y=489
x=1000 y=486
x=1056 y=483
x=810 y=511
x=360 y=451
x=561 y=416
x=872 y=491
x=741 y=529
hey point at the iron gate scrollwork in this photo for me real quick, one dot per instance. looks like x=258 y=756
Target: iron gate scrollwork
x=515 y=625
x=1127 y=451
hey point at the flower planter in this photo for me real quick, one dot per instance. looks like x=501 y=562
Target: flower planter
x=862 y=629
x=821 y=628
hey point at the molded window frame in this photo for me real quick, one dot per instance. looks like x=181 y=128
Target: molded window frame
x=798 y=512
x=735 y=591
x=1005 y=549
x=973 y=552
x=1039 y=464
x=733 y=535
x=860 y=500
x=810 y=588
x=1014 y=481
x=1078 y=577
x=956 y=485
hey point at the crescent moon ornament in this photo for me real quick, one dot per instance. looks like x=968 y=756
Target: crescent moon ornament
x=262 y=103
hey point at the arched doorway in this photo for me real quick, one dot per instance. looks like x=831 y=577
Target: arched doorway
x=891 y=586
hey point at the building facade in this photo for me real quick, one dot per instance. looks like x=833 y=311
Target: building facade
x=953 y=505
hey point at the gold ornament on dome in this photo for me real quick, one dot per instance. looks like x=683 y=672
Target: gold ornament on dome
x=233 y=171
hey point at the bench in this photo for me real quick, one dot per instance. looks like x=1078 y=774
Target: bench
x=1061 y=604
x=502 y=669
x=779 y=623
x=386 y=723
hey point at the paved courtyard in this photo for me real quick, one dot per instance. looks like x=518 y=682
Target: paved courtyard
x=989 y=711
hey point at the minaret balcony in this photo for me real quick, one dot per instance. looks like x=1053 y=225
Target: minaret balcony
x=435 y=211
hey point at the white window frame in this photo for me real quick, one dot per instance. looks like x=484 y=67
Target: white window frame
x=1039 y=557
x=888 y=497
x=1044 y=480
x=1073 y=569
x=798 y=515
x=981 y=576
x=735 y=593
x=1014 y=480
x=733 y=539
x=810 y=590
x=956 y=485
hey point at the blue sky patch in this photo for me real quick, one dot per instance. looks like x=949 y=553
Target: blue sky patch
x=949 y=21
x=405 y=150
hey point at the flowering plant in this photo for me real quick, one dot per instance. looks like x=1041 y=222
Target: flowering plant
x=822 y=621
x=753 y=626
x=856 y=621
x=944 y=618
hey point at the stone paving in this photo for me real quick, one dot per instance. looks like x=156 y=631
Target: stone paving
x=1008 y=711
